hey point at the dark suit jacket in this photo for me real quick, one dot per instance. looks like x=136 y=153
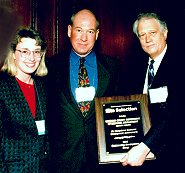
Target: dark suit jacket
x=73 y=137
x=21 y=148
x=163 y=129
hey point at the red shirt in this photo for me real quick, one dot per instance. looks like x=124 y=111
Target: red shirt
x=29 y=93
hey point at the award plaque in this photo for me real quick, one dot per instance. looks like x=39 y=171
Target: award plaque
x=121 y=123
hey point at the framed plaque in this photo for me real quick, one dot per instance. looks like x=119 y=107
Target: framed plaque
x=121 y=123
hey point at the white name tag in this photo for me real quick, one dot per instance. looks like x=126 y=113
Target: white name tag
x=158 y=95
x=41 y=127
x=85 y=93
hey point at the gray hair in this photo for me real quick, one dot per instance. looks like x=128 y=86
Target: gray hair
x=141 y=16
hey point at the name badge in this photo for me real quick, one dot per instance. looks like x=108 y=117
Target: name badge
x=41 y=127
x=158 y=95
x=85 y=93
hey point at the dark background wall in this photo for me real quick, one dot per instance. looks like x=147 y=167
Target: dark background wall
x=116 y=17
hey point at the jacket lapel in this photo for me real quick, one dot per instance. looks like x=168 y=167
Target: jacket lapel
x=103 y=80
x=160 y=78
x=21 y=115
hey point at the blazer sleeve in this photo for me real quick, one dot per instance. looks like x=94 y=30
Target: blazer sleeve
x=2 y=114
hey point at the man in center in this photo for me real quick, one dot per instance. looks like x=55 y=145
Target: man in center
x=73 y=122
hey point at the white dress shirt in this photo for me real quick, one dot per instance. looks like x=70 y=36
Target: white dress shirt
x=156 y=65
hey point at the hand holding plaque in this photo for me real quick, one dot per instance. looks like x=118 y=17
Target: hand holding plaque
x=122 y=121
x=136 y=155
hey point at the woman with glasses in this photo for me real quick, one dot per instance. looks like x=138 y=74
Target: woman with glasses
x=23 y=134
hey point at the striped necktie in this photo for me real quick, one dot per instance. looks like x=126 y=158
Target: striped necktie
x=150 y=73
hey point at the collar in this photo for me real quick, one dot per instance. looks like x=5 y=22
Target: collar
x=159 y=58
x=90 y=59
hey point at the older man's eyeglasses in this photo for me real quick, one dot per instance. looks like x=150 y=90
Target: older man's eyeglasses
x=26 y=53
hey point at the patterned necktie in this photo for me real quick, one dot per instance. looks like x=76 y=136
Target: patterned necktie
x=150 y=73
x=83 y=81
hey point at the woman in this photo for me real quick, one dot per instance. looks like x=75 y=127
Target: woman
x=23 y=135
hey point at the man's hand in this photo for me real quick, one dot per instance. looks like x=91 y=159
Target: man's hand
x=136 y=155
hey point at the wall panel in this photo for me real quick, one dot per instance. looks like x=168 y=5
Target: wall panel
x=116 y=17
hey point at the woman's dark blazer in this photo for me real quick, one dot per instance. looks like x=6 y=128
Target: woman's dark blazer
x=22 y=150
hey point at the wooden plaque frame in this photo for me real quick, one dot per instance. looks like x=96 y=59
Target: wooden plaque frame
x=115 y=157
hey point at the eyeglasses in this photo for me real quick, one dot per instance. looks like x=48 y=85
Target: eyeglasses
x=26 y=53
